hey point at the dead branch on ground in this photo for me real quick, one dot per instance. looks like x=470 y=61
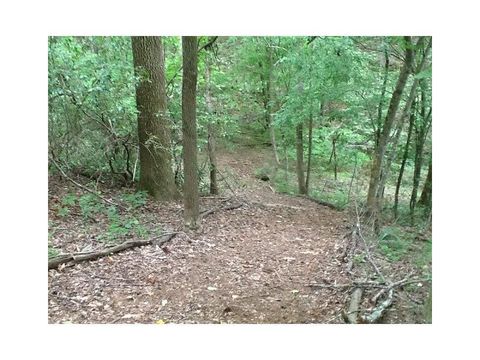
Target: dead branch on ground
x=62 y=172
x=75 y=258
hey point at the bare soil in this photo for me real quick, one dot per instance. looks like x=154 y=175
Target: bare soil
x=252 y=264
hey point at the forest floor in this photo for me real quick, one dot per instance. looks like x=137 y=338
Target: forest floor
x=251 y=264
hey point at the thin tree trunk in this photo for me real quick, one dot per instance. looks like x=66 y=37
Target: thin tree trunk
x=269 y=107
x=334 y=150
x=309 y=158
x=404 y=160
x=382 y=98
x=300 y=172
x=211 y=132
x=156 y=175
x=189 y=89
x=426 y=197
x=406 y=111
x=420 y=139
x=372 y=200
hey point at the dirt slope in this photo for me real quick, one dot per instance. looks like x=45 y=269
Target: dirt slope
x=248 y=265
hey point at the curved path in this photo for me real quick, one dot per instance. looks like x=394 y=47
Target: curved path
x=248 y=265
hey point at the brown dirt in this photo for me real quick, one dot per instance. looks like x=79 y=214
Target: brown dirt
x=248 y=265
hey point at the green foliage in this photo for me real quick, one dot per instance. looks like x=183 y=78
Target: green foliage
x=69 y=199
x=90 y=205
x=136 y=200
x=91 y=97
x=63 y=211
x=52 y=252
x=394 y=242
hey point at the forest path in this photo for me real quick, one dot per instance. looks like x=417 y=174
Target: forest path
x=252 y=264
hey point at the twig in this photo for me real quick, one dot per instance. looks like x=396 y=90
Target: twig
x=84 y=187
x=74 y=259
x=367 y=251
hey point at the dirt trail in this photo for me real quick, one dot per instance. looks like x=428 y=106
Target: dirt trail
x=248 y=265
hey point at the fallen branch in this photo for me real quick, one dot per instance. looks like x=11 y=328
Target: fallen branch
x=394 y=285
x=378 y=312
x=346 y=286
x=84 y=187
x=367 y=251
x=205 y=213
x=76 y=258
x=320 y=202
x=351 y=316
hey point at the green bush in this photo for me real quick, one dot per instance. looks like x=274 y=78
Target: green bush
x=136 y=199
x=90 y=205
x=52 y=252
x=394 y=242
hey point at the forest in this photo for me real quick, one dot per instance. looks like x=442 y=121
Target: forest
x=240 y=179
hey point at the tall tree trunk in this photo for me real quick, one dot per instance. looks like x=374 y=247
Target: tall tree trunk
x=156 y=175
x=300 y=172
x=426 y=197
x=309 y=158
x=189 y=121
x=421 y=133
x=372 y=200
x=409 y=108
x=269 y=106
x=211 y=131
x=382 y=97
x=404 y=160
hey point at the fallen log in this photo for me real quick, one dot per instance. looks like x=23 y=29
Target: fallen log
x=377 y=313
x=76 y=258
x=352 y=315
x=205 y=213
x=321 y=202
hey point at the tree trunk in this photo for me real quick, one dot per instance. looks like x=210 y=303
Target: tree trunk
x=309 y=158
x=382 y=98
x=404 y=160
x=300 y=173
x=426 y=197
x=189 y=121
x=269 y=107
x=211 y=132
x=156 y=175
x=372 y=200
x=420 y=138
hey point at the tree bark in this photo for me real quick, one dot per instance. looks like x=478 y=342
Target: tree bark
x=212 y=156
x=269 y=107
x=309 y=158
x=382 y=98
x=300 y=172
x=426 y=197
x=372 y=200
x=156 y=175
x=420 y=137
x=404 y=160
x=405 y=113
x=189 y=122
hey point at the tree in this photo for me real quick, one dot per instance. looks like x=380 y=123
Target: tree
x=156 y=175
x=302 y=189
x=421 y=132
x=426 y=197
x=189 y=126
x=211 y=128
x=379 y=153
